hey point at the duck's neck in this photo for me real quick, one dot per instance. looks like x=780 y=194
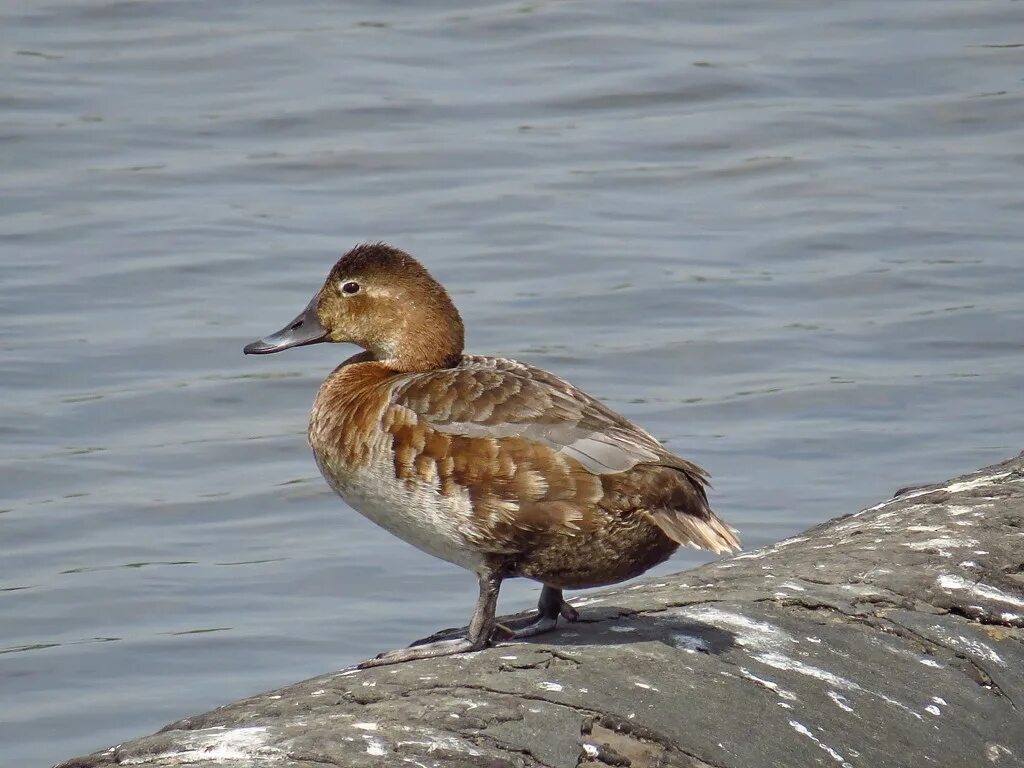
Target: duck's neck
x=431 y=338
x=421 y=354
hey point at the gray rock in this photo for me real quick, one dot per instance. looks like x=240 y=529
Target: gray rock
x=891 y=637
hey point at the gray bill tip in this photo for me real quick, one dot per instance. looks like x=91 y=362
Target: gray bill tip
x=306 y=328
x=258 y=347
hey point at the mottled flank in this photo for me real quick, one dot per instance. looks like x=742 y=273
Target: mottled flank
x=559 y=488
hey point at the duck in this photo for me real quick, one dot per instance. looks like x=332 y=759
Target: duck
x=492 y=464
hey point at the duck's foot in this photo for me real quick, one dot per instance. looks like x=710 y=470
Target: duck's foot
x=425 y=651
x=481 y=627
x=537 y=626
x=569 y=613
x=550 y=606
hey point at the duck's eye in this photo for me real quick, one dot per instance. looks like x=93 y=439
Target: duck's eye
x=350 y=287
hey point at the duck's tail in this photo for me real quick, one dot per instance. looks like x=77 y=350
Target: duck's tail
x=710 y=532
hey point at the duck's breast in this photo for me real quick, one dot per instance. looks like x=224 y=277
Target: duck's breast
x=414 y=512
x=356 y=454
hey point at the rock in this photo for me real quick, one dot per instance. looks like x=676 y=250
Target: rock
x=890 y=637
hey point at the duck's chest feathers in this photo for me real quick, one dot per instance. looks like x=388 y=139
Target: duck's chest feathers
x=357 y=458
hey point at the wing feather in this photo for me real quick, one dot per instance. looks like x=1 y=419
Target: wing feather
x=536 y=454
x=504 y=398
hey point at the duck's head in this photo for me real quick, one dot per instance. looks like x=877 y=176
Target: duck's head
x=385 y=301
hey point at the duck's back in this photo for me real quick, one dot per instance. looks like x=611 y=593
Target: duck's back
x=499 y=460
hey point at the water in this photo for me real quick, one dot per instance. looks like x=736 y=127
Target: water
x=786 y=237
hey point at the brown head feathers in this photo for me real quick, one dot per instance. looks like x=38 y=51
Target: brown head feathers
x=384 y=300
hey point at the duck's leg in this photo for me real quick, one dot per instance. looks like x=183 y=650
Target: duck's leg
x=550 y=606
x=481 y=627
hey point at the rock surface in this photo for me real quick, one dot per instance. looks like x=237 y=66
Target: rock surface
x=891 y=637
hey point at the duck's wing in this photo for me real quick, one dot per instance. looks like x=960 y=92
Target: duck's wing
x=493 y=398
x=537 y=454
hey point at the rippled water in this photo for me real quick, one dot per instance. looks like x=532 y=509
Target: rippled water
x=786 y=237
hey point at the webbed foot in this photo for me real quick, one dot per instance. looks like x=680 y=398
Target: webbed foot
x=481 y=627
x=425 y=651
x=550 y=606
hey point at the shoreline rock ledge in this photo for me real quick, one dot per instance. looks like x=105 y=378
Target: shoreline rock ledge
x=890 y=637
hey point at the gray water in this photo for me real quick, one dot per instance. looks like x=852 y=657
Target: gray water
x=784 y=236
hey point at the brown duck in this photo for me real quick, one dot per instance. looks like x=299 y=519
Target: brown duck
x=492 y=464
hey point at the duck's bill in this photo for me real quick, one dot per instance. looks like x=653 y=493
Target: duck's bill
x=304 y=329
